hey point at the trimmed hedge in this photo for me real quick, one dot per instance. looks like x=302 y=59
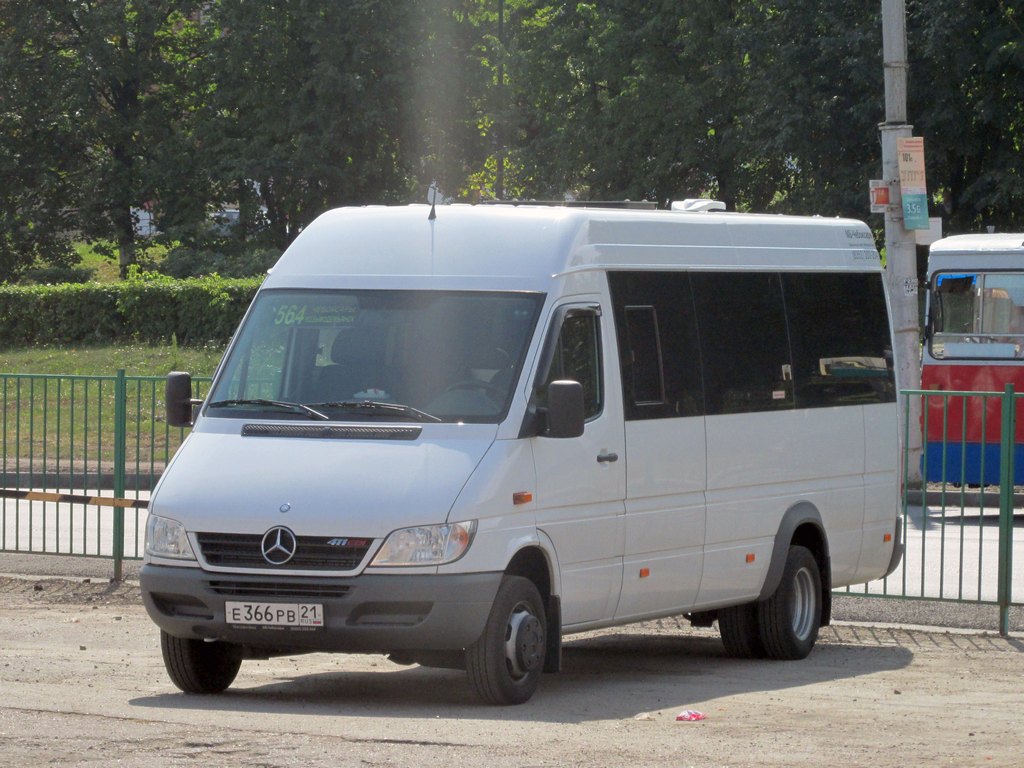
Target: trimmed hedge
x=145 y=307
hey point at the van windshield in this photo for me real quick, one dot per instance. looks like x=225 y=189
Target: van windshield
x=377 y=355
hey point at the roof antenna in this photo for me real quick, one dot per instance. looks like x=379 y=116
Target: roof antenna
x=432 y=199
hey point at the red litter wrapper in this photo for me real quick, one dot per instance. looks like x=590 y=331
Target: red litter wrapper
x=690 y=715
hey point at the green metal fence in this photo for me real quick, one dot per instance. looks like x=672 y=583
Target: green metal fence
x=106 y=435
x=83 y=435
x=959 y=529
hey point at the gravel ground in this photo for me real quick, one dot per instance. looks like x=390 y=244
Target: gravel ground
x=83 y=685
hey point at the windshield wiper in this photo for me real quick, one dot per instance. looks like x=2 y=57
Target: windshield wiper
x=376 y=405
x=275 y=403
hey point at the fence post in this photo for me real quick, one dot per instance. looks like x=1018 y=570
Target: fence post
x=120 y=457
x=1006 y=479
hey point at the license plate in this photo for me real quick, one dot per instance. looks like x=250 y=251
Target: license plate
x=275 y=614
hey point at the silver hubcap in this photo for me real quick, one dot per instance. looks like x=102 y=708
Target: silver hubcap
x=804 y=603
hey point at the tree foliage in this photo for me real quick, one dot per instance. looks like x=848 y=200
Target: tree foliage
x=286 y=109
x=93 y=89
x=967 y=100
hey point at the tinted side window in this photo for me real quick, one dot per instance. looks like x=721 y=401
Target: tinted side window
x=659 y=352
x=743 y=342
x=839 y=331
x=646 y=379
x=578 y=358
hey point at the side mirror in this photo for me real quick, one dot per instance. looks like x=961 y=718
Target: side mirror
x=178 y=399
x=565 y=409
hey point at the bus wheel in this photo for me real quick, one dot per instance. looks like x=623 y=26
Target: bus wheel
x=741 y=633
x=196 y=666
x=790 y=618
x=506 y=663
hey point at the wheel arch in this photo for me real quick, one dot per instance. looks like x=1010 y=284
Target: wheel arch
x=801 y=526
x=532 y=563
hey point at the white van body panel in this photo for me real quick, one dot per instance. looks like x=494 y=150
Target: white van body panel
x=665 y=515
x=580 y=499
x=638 y=517
x=784 y=458
x=372 y=487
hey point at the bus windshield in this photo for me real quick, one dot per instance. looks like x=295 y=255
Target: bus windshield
x=977 y=315
x=377 y=355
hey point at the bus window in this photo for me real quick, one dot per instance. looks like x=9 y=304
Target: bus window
x=978 y=316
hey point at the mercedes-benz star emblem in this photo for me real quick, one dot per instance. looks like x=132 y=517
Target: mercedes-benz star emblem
x=278 y=545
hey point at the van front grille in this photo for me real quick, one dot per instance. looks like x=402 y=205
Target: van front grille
x=312 y=553
x=274 y=589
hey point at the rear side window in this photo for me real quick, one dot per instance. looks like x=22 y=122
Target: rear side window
x=693 y=343
x=839 y=331
x=744 y=340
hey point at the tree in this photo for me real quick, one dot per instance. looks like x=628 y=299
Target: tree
x=101 y=80
x=643 y=101
x=306 y=110
x=456 y=110
x=967 y=100
x=816 y=71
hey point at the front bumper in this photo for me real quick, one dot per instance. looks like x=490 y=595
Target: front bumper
x=364 y=614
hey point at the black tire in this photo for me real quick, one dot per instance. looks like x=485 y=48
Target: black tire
x=741 y=631
x=196 y=666
x=506 y=662
x=790 y=618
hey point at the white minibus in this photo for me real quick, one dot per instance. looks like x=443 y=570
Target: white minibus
x=456 y=435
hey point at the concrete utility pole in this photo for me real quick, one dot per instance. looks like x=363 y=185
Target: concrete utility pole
x=900 y=245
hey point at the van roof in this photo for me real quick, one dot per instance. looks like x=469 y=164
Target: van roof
x=523 y=247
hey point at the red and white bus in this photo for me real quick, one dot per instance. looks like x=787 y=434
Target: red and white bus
x=974 y=343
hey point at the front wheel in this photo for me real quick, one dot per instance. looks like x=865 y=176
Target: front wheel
x=506 y=663
x=790 y=618
x=196 y=666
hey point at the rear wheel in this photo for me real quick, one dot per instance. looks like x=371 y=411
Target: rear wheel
x=790 y=618
x=741 y=632
x=506 y=663
x=196 y=666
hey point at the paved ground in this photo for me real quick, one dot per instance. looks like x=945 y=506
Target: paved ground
x=82 y=684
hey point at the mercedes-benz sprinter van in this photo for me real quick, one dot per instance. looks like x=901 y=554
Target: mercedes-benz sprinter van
x=455 y=436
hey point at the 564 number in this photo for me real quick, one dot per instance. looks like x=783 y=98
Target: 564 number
x=290 y=314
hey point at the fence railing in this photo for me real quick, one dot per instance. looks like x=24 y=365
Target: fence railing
x=81 y=435
x=106 y=435
x=959 y=529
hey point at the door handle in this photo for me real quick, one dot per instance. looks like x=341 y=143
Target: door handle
x=605 y=457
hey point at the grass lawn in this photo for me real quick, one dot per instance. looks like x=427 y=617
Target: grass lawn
x=135 y=359
x=58 y=427
x=105 y=269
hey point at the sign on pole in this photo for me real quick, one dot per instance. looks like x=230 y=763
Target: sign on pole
x=879 y=191
x=913 y=187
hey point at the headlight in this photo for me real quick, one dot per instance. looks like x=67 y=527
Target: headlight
x=167 y=538
x=427 y=545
